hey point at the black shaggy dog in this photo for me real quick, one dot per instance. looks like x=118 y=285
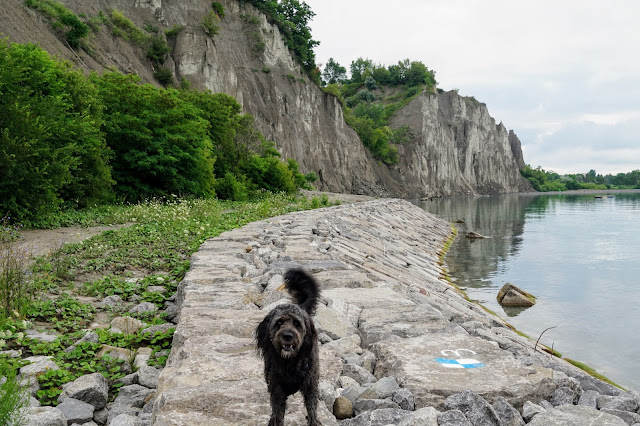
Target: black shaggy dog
x=287 y=340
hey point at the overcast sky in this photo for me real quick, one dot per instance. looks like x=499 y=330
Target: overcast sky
x=564 y=75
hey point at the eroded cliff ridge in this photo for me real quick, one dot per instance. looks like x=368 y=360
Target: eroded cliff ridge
x=457 y=148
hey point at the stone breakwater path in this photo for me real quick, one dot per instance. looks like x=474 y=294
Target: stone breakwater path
x=399 y=345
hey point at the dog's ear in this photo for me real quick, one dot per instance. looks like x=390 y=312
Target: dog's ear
x=263 y=339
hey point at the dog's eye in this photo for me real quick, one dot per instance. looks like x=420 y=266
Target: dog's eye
x=297 y=323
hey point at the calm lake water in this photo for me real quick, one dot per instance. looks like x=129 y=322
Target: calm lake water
x=579 y=255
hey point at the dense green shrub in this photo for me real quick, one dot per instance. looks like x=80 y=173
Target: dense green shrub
x=61 y=17
x=51 y=147
x=125 y=28
x=211 y=23
x=158 y=50
x=164 y=76
x=218 y=9
x=160 y=142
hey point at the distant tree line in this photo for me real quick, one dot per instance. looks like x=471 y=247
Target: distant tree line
x=546 y=181
x=366 y=104
x=71 y=141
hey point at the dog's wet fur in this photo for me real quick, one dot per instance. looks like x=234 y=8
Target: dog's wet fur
x=287 y=340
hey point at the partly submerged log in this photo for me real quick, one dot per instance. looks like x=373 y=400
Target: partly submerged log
x=474 y=235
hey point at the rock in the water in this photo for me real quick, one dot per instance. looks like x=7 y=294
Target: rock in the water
x=91 y=389
x=511 y=295
x=575 y=415
x=474 y=235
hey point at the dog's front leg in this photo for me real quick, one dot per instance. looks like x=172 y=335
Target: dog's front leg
x=311 y=403
x=278 y=406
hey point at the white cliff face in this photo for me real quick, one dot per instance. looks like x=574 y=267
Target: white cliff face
x=458 y=148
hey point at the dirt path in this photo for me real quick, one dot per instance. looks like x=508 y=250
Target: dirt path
x=40 y=242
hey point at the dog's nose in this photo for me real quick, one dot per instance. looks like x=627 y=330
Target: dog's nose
x=287 y=335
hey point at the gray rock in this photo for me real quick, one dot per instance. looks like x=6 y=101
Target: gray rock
x=546 y=405
x=327 y=393
x=453 y=418
x=367 y=361
x=343 y=408
x=127 y=325
x=383 y=388
x=628 y=417
x=148 y=376
x=40 y=336
x=346 y=381
x=362 y=405
x=381 y=417
x=563 y=396
x=504 y=376
x=132 y=396
x=475 y=408
x=46 y=416
x=333 y=323
x=101 y=416
x=589 y=398
x=427 y=416
x=76 y=411
x=11 y=353
x=346 y=345
x=575 y=415
x=352 y=392
x=358 y=373
x=156 y=289
x=129 y=379
x=126 y=420
x=171 y=310
x=530 y=410
x=112 y=301
x=85 y=424
x=90 y=337
x=91 y=389
x=39 y=365
x=404 y=398
x=508 y=415
x=159 y=328
x=622 y=402
x=142 y=357
x=33 y=402
x=143 y=307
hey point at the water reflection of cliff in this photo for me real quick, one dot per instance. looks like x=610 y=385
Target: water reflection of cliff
x=501 y=218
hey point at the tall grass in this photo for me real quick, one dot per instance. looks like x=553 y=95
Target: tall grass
x=15 y=289
x=13 y=398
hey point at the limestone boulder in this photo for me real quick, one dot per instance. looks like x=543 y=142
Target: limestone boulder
x=512 y=295
x=76 y=411
x=475 y=408
x=91 y=389
x=46 y=416
x=452 y=363
x=575 y=415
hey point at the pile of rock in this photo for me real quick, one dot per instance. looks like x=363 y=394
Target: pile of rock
x=398 y=344
x=84 y=401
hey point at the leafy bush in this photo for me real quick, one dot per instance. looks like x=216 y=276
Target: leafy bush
x=164 y=76
x=218 y=9
x=161 y=142
x=230 y=188
x=51 y=145
x=158 y=50
x=210 y=23
x=125 y=28
x=61 y=17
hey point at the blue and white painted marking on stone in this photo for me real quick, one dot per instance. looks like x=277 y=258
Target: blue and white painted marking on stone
x=460 y=362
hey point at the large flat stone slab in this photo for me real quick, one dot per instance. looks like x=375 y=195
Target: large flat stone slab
x=434 y=366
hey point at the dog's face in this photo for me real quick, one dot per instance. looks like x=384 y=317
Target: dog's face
x=287 y=327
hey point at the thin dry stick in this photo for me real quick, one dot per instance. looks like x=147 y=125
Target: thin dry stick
x=74 y=52
x=536 y=346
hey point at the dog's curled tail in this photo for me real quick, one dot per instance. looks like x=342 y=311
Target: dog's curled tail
x=303 y=289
